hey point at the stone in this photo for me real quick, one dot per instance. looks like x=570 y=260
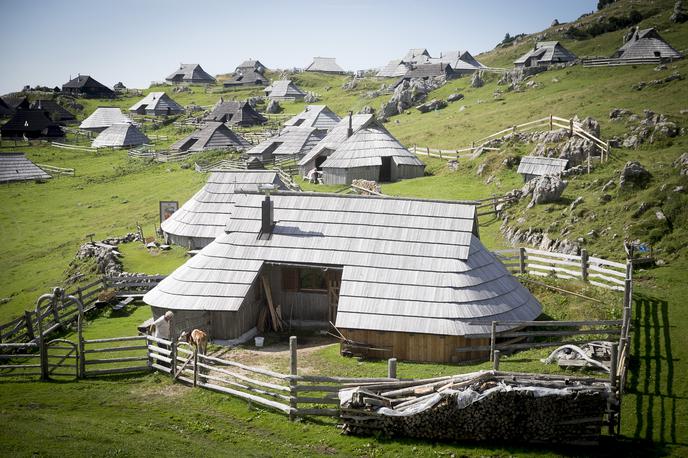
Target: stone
x=576 y=202
x=453 y=165
x=679 y=189
x=432 y=105
x=611 y=184
x=641 y=209
x=660 y=262
x=151 y=245
x=310 y=98
x=273 y=107
x=679 y=15
x=632 y=141
x=481 y=169
x=511 y=161
x=366 y=110
x=463 y=107
x=406 y=95
x=349 y=85
x=545 y=189
x=593 y=233
x=555 y=80
x=618 y=113
x=660 y=67
x=477 y=80
x=604 y=198
x=659 y=214
x=454 y=97
x=165 y=247
x=634 y=175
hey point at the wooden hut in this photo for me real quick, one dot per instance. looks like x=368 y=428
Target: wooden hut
x=248 y=73
x=544 y=54
x=461 y=62
x=57 y=112
x=343 y=130
x=251 y=65
x=325 y=65
x=204 y=216
x=5 y=109
x=86 y=86
x=394 y=69
x=236 y=113
x=102 y=118
x=16 y=167
x=427 y=71
x=535 y=166
x=647 y=44
x=190 y=73
x=417 y=56
x=214 y=135
x=284 y=90
x=16 y=102
x=318 y=116
x=122 y=135
x=31 y=124
x=291 y=141
x=374 y=154
x=157 y=104
x=403 y=278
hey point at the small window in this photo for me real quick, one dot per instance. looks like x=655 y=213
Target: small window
x=299 y=122
x=658 y=54
x=312 y=280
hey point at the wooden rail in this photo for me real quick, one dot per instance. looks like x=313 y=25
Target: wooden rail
x=615 y=62
x=52 y=170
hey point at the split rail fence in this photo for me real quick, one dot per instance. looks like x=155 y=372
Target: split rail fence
x=612 y=62
x=52 y=170
x=551 y=121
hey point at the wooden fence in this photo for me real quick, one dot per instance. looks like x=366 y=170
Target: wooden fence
x=614 y=62
x=52 y=170
x=116 y=355
x=549 y=122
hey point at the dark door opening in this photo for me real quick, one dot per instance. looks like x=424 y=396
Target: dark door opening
x=386 y=170
x=319 y=162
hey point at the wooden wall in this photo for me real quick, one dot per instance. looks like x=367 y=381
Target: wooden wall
x=295 y=305
x=345 y=176
x=417 y=347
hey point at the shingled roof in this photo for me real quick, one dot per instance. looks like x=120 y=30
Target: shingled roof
x=417 y=56
x=190 y=73
x=5 y=109
x=16 y=167
x=318 y=116
x=539 y=165
x=545 y=53
x=157 y=103
x=395 y=67
x=291 y=141
x=104 y=117
x=284 y=89
x=87 y=86
x=119 y=136
x=56 y=111
x=205 y=215
x=31 y=124
x=236 y=113
x=214 y=135
x=408 y=265
x=459 y=61
x=647 y=44
x=324 y=65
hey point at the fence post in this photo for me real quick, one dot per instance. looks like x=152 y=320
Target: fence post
x=584 y=265
x=427 y=150
x=53 y=306
x=195 y=358
x=522 y=260
x=43 y=349
x=392 y=368
x=29 y=325
x=495 y=362
x=607 y=153
x=173 y=352
x=82 y=346
x=570 y=127
x=613 y=381
x=492 y=340
x=293 y=370
x=550 y=122
x=440 y=153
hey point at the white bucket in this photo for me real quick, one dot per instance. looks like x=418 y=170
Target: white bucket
x=259 y=341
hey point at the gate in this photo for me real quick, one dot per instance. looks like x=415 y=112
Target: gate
x=61 y=354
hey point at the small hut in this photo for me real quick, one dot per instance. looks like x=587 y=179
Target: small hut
x=104 y=117
x=374 y=154
x=157 y=104
x=536 y=166
x=122 y=135
x=204 y=216
x=647 y=44
x=31 y=124
x=16 y=167
x=345 y=129
x=427 y=71
x=461 y=62
x=214 y=135
x=251 y=65
x=408 y=276
x=284 y=90
x=190 y=73
x=544 y=54
x=291 y=141
x=417 y=56
x=5 y=109
x=325 y=65
x=318 y=116
x=57 y=112
x=86 y=86
x=236 y=113
x=16 y=102
x=394 y=69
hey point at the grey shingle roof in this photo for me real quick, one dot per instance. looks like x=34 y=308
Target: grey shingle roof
x=236 y=113
x=57 y=112
x=337 y=135
x=104 y=117
x=417 y=56
x=120 y=135
x=408 y=265
x=284 y=89
x=16 y=167
x=546 y=53
x=538 y=165
x=324 y=65
x=157 y=103
x=207 y=212
x=647 y=44
x=395 y=67
x=214 y=135
x=190 y=73
x=318 y=116
x=459 y=60
x=291 y=141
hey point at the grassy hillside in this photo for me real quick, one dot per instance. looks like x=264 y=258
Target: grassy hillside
x=44 y=224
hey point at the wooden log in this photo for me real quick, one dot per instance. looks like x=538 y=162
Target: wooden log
x=257 y=370
x=318 y=412
x=522 y=260
x=160 y=368
x=116 y=349
x=246 y=379
x=117 y=360
x=495 y=364
x=392 y=368
x=242 y=386
x=29 y=325
x=257 y=399
x=122 y=339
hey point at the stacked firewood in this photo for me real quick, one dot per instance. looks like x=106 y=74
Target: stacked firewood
x=494 y=406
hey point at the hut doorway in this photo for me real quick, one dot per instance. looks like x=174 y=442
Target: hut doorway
x=319 y=162
x=386 y=170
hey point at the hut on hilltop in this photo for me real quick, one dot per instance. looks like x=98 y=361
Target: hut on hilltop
x=190 y=73
x=284 y=90
x=404 y=278
x=205 y=215
x=157 y=104
x=57 y=112
x=214 y=135
x=31 y=124
x=647 y=44
x=325 y=65
x=236 y=113
x=291 y=141
x=536 y=166
x=86 y=86
x=544 y=54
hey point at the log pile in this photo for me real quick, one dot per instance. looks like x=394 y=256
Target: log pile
x=482 y=406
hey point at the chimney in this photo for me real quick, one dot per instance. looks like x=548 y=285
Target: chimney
x=350 y=131
x=267 y=215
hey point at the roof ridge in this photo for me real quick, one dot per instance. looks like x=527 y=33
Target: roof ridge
x=350 y=196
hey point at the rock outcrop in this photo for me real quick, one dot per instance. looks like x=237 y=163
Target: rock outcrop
x=545 y=189
x=634 y=175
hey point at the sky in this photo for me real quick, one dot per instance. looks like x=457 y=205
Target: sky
x=140 y=41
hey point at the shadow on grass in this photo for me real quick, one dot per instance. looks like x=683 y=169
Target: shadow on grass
x=651 y=372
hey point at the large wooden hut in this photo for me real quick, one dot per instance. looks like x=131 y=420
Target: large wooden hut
x=214 y=135
x=284 y=90
x=157 y=104
x=461 y=62
x=325 y=65
x=31 y=124
x=57 y=112
x=291 y=141
x=536 y=166
x=373 y=154
x=190 y=73
x=86 y=86
x=236 y=113
x=205 y=215
x=120 y=135
x=15 y=166
x=403 y=278
x=647 y=44
x=318 y=116
x=102 y=118
x=544 y=54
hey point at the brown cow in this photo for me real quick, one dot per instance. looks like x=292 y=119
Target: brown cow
x=197 y=338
